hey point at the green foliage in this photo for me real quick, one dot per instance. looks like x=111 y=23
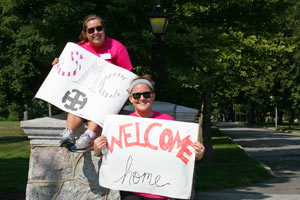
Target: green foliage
x=242 y=50
x=33 y=33
x=13 y=116
x=234 y=47
x=15 y=112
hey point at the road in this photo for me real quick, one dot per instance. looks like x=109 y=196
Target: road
x=278 y=150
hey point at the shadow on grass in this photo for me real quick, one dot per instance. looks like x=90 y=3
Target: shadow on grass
x=12 y=139
x=12 y=195
x=13 y=176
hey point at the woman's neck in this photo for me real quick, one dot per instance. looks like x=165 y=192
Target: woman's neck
x=96 y=45
x=144 y=114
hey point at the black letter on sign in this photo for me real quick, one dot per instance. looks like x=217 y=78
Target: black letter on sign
x=79 y=98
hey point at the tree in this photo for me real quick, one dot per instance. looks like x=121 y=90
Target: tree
x=34 y=32
x=226 y=47
x=218 y=53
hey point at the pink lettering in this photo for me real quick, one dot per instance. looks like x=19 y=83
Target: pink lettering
x=184 y=149
x=137 y=142
x=147 y=135
x=167 y=133
x=167 y=140
x=117 y=141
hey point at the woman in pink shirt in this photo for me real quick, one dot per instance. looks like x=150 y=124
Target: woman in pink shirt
x=141 y=95
x=94 y=40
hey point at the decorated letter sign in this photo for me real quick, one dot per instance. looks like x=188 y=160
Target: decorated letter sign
x=86 y=85
x=148 y=156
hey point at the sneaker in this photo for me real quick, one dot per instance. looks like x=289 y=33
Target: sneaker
x=84 y=142
x=68 y=138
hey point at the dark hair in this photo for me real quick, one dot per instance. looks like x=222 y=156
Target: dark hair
x=88 y=18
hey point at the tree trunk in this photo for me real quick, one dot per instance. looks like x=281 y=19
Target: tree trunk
x=26 y=112
x=292 y=116
x=280 y=116
x=49 y=110
x=251 y=113
x=232 y=115
x=204 y=127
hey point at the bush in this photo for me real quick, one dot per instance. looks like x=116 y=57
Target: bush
x=15 y=112
x=13 y=116
x=39 y=108
x=3 y=107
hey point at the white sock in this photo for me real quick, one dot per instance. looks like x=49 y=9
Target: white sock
x=91 y=134
x=68 y=130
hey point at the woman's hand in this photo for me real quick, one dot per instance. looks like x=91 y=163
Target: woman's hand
x=55 y=61
x=99 y=143
x=199 y=150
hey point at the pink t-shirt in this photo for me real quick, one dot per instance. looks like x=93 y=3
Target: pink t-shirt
x=156 y=115
x=112 y=51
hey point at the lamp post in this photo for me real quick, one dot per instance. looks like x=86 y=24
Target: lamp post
x=159 y=21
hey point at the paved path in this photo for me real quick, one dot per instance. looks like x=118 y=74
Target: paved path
x=280 y=151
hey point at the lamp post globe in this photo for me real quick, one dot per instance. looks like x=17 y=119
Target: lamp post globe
x=158 y=20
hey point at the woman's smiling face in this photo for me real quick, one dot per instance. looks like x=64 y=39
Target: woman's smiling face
x=96 y=38
x=143 y=106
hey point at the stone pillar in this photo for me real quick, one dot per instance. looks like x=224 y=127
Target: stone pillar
x=55 y=172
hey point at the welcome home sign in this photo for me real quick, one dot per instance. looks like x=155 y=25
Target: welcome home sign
x=148 y=156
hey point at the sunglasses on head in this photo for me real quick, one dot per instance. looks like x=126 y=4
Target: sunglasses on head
x=92 y=30
x=137 y=96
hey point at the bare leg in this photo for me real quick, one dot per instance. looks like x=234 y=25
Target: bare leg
x=93 y=126
x=74 y=122
x=68 y=137
x=85 y=141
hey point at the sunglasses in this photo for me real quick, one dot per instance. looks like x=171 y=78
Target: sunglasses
x=137 y=96
x=92 y=30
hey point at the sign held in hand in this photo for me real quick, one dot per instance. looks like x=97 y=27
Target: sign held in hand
x=149 y=155
x=86 y=85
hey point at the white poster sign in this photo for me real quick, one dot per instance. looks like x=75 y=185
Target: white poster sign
x=86 y=85
x=148 y=156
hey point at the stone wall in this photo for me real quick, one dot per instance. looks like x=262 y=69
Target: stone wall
x=55 y=172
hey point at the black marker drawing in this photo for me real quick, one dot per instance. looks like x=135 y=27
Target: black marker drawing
x=135 y=177
x=75 y=100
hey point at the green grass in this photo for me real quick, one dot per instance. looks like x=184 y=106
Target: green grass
x=14 y=157
x=285 y=127
x=232 y=167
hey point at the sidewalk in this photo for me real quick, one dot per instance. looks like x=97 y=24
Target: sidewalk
x=277 y=150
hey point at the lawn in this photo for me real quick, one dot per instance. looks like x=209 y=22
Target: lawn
x=232 y=166
x=14 y=158
x=295 y=128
